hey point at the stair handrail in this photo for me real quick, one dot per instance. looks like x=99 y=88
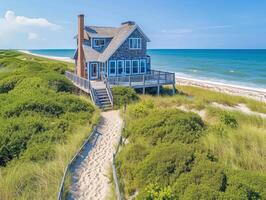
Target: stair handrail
x=93 y=96
x=108 y=88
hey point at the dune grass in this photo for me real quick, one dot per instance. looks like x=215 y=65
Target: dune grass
x=221 y=157
x=42 y=125
x=204 y=96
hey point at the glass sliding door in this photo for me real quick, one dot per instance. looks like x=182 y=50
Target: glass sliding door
x=128 y=67
x=120 y=67
x=135 y=66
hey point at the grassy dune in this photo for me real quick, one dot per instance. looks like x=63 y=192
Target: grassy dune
x=42 y=124
x=172 y=154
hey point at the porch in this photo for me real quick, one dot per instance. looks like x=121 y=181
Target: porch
x=153 y=78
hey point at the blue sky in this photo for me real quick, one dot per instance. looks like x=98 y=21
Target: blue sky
x=39 y=24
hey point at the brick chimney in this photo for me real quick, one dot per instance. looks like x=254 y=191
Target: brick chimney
x=81 y=58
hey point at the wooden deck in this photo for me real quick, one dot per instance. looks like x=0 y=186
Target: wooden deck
x=152 y=78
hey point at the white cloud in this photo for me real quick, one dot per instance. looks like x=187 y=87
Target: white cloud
x=15 y=29
x=12 y=18
x=33 y=36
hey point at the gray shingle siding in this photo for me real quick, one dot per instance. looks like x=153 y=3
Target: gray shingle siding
x=124 y=53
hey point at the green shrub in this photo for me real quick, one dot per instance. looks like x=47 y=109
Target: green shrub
x=228 y=119
x=123 y=95
x=155 y=192
x=166 y=125
x=59 y=84
x=39 y=152
x=165 y=164
x=9 y=83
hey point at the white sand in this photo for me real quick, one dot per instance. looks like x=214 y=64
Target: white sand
x=91 y=174
x=254 y=93
x=65 y=59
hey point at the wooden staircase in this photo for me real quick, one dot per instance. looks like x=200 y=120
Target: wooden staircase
x=99 y=90
x=103 y=99
x=103 y=95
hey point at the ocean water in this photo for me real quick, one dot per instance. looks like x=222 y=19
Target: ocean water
x=238 y=67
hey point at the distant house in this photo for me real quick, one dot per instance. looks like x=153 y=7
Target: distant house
x=110 y=56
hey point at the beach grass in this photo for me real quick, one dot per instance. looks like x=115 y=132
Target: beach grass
x=228 y=154
x=43 y=122
x=205 y=96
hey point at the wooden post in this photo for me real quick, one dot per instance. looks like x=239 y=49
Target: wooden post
x=129 y=81
x=158 y=90
x=143 y=90
x=174 y=83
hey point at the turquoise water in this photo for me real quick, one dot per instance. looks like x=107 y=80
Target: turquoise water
x=239 y=67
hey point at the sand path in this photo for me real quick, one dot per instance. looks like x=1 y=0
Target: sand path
x=90 y=173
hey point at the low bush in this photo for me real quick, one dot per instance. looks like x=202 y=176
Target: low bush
x=171 y=154
x=123 y=96
x=228 y=119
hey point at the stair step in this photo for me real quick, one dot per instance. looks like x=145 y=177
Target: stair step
x=103 y=98
x=106 y=103
x=102 y=94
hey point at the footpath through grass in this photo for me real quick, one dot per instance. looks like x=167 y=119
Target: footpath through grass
x=171 y=154
x=42 y=125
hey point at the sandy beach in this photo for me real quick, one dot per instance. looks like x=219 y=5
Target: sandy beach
x=65 y=59
x=254 y=93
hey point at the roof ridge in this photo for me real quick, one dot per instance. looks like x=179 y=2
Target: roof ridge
x=103 y=27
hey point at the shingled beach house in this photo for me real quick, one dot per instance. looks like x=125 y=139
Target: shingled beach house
x=114 y=56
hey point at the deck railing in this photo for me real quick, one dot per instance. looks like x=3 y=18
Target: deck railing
x=151 y=78
x=83 y=84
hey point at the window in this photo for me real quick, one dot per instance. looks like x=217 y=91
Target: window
x=120 y=67
x=112 y=67
x=134 y=43
x=135 y=67
x=128 y=67
x=99 y=42
x=142 y=66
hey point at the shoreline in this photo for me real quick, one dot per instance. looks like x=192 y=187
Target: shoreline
x=64 y=59
x=258 y=94
x=237 y=90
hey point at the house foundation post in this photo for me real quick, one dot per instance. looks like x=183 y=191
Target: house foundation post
x=173 y=89
x=143 y=90
x=158 y=90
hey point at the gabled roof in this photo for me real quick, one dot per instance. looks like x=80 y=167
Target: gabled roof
x=97 y=31
x=118 y=35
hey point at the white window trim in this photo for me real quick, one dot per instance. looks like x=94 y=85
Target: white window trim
x=109 y=68
x=145 y=66
x=94 y=42
x=123 y=66
x=94 y=63
x=130 y=67
x=140 y=47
